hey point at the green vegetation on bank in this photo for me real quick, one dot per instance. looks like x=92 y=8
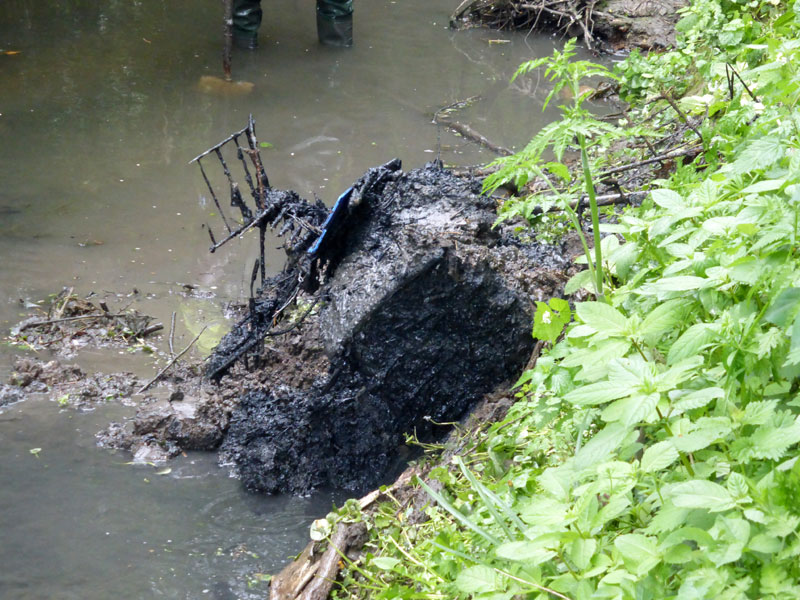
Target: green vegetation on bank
x=653 y=450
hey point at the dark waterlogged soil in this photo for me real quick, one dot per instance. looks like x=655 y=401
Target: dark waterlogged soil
x=428 y=310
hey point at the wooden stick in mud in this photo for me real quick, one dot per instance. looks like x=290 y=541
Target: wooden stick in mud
x=226 y=48
x=172 y=362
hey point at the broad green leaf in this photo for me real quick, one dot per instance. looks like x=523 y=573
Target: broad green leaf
x=639 y=552
x=599 y=354
x=700 y=493
x=550 y=319
x=385 y=563
x=532 y=551
x=784 y=308
x=764 y=543
x=679 y=554
x=758 y=412
x=662 y=318
x=658 y=456
x=720 y=225
x=746 y=270
x=623 y=258
x=598 y=393
x=477 y=580
x=543 y=509
x=681 y=283
x=602 y=317
x=697 y=399
x=631 y=411
x=759 y=154
x=581 y=280
x=772 y=442
x=704 y=433
x=581 y=552
x=668 y=199
x=617 y=505
x=601 y=446
x=700 y=537
x=691 y=342
x=765 y=185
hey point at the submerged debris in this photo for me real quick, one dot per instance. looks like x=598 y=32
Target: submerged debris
x=424 y=308
x=71 y=322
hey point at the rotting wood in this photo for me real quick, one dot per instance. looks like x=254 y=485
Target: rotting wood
x=469 y=133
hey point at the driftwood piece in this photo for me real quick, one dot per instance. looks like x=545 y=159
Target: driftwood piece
x=311 y=576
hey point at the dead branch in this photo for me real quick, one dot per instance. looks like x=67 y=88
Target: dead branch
x=171 y=362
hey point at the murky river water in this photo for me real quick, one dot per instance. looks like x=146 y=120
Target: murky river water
x=99 y=115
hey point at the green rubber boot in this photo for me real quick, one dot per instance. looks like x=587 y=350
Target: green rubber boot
x=335 y=22
x=246 y=21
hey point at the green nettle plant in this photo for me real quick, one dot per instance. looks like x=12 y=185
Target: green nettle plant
x=577 y=125
x=653 y=451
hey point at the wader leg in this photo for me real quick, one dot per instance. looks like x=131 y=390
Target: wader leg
x=335 y=22
x=246 y=20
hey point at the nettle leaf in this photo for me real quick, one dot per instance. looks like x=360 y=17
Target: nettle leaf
x=534 y=551
x=477 y=580
x=581 y=280
x=773 y=439
x=668 y=199
x=704 y=432
x=631 y=411
x=581 y=552
x=623 y=258
x=766 y=544
x=639 y=552
x=700 y=493
x=602 y=317
x=759 y=412
x=598 y=393
x=784 y=308
x=737 y=486
x=681 y=283
x=602 y=445
x=658 y=456
x=691 y=342
x=759 y=155
x=696 y=399
x=765 y=185
x=662 y=318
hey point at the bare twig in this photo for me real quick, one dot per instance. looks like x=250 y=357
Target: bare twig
x=642 y=163
x=668 y=97
x=471 y=134
x=172 y=335
x=171 y=362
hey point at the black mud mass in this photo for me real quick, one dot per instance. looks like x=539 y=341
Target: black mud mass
x=428 y=310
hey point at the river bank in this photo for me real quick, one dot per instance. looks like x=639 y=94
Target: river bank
x=651 y=451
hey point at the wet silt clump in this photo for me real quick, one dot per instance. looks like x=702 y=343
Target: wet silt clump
x=426 y=309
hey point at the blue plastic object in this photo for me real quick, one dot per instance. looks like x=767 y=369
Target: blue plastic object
x=335 y=218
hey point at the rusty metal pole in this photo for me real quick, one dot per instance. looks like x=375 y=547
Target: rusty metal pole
x=226 y=49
